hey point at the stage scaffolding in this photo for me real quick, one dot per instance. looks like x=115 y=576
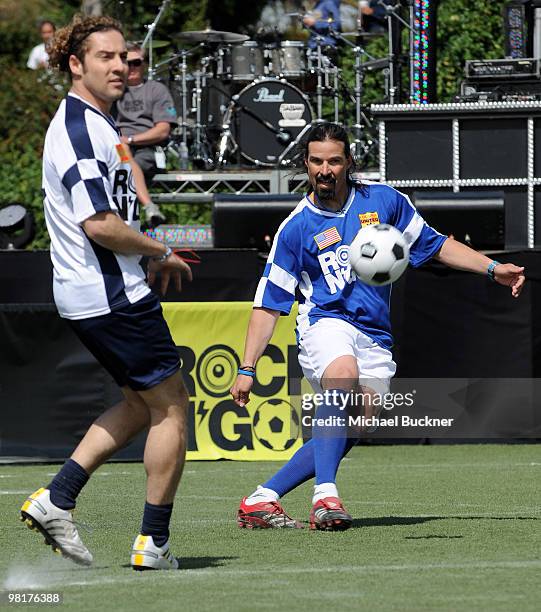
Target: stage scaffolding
x=185 y=187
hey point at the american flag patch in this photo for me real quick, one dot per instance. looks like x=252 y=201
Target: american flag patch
x=328 y=237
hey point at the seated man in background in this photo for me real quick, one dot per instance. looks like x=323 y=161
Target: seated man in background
x=39 y=58
x=144 y=115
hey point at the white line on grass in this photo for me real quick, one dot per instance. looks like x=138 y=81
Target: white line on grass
x=438 y=466
x=34 y=581
x=14 y=492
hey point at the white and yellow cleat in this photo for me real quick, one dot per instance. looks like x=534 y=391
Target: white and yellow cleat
x=56 y=526
x=147 y=556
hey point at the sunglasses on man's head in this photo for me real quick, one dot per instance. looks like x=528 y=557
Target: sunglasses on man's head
x=135 y=62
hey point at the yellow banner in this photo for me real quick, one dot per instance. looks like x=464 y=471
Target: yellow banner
x=210 y=339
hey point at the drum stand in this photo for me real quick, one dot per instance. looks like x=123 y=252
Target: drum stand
x=325 y=70
x=150 y=34
x=358 y=149
x=183 y=146
x=201 y=157
x=394 y=25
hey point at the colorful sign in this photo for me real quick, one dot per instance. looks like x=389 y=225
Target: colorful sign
x=210 y=339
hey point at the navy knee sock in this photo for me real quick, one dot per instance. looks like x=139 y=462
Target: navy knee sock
x=67 y=484
x=156 y=520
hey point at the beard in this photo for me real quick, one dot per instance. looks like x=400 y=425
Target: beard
x=325 y=187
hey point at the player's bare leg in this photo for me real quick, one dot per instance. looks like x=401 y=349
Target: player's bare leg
x=112 y=431
x=165 y=448
x=49 y=510
x=164 y=457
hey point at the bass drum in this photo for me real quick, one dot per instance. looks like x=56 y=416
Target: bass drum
x=277 y=103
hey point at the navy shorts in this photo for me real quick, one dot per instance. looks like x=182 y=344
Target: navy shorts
x=133 y=343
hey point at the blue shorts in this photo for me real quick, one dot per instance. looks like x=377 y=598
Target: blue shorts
x=133 y=343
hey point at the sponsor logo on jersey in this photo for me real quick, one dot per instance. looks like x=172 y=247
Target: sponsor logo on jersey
x=369 y=218
x=122 y=153
x=336 y=269
x=326 y=238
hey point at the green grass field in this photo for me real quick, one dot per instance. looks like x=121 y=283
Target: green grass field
x=436 y=528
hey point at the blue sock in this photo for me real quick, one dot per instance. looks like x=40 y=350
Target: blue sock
x=297 y=470
x=67 y=484
x=302 y=466
x=156 y=522
x=330 y=441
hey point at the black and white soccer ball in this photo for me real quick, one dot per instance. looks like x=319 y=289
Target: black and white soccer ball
x=379 y=254
x=276 y=424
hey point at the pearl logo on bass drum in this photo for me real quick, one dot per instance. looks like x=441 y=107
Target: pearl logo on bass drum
x=264 y=95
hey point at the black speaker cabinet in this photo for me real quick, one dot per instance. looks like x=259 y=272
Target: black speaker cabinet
x=474 y=147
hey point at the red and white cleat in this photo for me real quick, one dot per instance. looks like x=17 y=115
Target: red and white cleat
x=328 y=514
x=265 y=515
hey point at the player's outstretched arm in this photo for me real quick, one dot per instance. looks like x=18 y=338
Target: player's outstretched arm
x=260 y=330
x=460 y=256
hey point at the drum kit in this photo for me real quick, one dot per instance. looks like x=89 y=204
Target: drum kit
x=250 y=102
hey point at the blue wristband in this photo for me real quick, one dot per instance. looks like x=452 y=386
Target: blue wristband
x=246 y=372
x=490 y=269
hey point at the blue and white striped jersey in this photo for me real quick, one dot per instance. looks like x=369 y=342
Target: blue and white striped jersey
x=310 y=250
x=85 y=172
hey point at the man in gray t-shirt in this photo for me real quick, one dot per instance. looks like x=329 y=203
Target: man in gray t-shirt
x=144 y=116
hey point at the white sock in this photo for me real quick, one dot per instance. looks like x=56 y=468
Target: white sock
x=325 y=489
x=261 y=495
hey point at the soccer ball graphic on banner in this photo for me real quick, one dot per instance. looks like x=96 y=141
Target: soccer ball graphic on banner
x=379 y=254
x=276 y=424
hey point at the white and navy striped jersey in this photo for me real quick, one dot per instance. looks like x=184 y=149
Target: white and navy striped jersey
x=85 y=172
x=310 y=250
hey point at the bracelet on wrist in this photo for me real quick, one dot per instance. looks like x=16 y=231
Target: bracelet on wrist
x=250 y=373
x=490 y=270
x=247 y=367
x=163 y=257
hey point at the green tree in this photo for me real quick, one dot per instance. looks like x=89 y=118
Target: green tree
x=466 y=30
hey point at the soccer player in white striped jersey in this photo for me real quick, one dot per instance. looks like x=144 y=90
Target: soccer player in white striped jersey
x=343 y=327
x=100 y=289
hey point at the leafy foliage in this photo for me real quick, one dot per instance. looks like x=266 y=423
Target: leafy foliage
x=466 y=30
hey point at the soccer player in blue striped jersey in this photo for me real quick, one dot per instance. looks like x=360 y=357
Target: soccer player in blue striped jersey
x=343 y=325
x=90 y=186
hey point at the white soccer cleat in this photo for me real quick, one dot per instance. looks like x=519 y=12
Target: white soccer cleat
x=147 y=556
x=56 y=525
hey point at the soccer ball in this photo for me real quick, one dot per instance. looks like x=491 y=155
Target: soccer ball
x=378 y=254
x=276 y=424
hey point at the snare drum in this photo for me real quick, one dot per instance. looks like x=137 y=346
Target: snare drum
x=289 y=59
x=242 y=63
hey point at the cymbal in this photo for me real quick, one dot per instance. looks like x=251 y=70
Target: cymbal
x=155 y=44
x=210 y=36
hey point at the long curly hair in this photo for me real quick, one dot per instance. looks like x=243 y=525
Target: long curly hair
x=73 y=39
